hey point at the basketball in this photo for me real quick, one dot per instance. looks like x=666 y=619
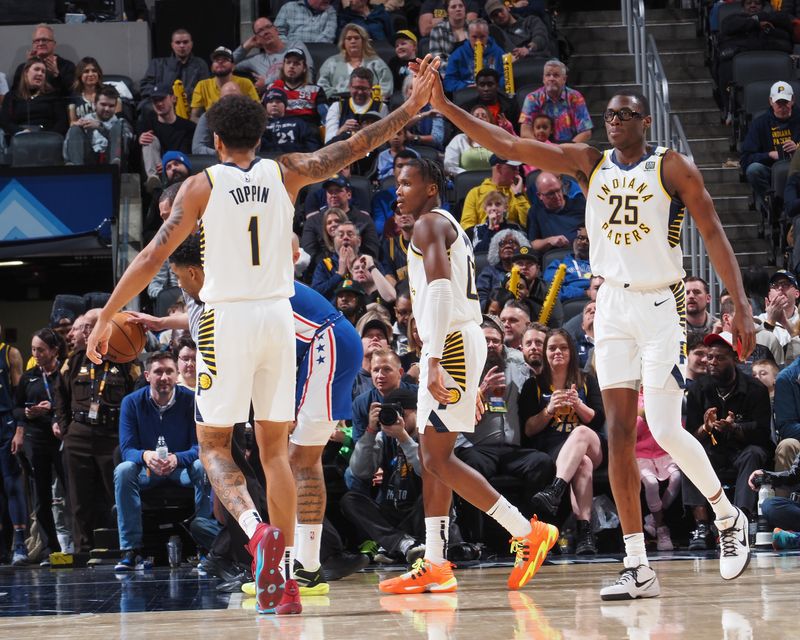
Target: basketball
x=127 y=339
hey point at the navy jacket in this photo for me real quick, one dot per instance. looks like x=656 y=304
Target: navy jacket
x=460 y=71
x=361 y=408
x=141 y=422
x=766 y=133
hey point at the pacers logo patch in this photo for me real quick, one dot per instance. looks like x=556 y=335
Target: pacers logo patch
x=455 y=395
x=204 y=381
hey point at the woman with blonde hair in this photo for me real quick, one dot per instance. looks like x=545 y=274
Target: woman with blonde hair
x=355 y=51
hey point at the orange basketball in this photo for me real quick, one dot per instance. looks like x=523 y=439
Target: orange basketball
x=127 y=339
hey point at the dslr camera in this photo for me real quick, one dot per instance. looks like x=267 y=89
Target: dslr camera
x=390 y=414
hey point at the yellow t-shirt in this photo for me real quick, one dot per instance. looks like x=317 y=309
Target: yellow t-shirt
x=206 y=92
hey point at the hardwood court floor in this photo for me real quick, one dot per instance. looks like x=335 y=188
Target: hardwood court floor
x=561 y=602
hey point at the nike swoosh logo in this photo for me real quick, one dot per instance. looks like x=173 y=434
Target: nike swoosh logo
x=658 y=304
x=606 y=168
x=639 y=585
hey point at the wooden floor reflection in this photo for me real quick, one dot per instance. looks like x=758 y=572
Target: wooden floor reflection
x=561 y=602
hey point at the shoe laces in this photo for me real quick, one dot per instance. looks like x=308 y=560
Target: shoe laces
x=728 y=541
x=418 y=569
x=520 y=547
x=628 y=574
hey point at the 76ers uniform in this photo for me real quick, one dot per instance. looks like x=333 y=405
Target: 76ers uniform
x=329 y=356
x=245 y=334
x=465 y=346
x=634 y=229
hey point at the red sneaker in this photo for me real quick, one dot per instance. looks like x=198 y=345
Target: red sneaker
x=267 y=547
x=290 y=601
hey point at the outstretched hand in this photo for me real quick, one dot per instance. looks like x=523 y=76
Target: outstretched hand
x=426 y=72
x=437 y=98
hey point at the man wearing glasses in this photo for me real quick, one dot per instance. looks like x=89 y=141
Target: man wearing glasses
x=262 y=54
x=60 y=72
x=554 y=217
x=637 y=197
x=781 y=316
x=181 y=65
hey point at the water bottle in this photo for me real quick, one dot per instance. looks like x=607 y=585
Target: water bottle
x=763 y=531
x=174 y=547
x=161 y=448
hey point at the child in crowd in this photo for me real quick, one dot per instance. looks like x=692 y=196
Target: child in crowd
x=655 y=466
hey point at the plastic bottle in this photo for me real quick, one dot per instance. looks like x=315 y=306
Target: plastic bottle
x=763 y=537
x=161 y=448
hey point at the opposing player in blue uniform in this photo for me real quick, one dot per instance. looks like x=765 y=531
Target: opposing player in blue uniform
x=329 y=356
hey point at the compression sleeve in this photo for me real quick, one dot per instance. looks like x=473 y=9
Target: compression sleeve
x=437 y=312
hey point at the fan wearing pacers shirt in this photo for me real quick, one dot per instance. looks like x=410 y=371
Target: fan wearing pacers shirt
x=329 y=356
x=245 y=207
x=441 y=277
x=636 y=198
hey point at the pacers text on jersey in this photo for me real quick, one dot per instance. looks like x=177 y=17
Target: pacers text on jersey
x=249 y=193
x=624 y=195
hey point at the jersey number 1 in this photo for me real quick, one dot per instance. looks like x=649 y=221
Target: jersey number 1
x=254 y=251
x=471 y=293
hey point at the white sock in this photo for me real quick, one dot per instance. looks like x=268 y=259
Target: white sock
x=635 y=553
x=436 y=531
x=287 y=566
x=722 y=506
x=307 y=539
x=248 y=521
x=509 y=517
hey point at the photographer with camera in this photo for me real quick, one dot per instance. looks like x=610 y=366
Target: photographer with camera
x=395 y=518
x=781 y=513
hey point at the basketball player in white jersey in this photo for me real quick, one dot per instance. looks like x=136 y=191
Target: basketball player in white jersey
x=246 y=344
x=636 y=199
x=441 y=276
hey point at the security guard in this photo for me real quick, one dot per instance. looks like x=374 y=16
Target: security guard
x=87 y=402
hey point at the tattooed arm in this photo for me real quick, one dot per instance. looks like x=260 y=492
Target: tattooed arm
x=300 y=169
x=576 y=160
x=186 y=210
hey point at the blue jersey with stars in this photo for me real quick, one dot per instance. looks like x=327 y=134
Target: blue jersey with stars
x=312 y=311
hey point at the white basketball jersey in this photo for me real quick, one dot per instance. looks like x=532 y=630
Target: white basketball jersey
x=634 y=225
x=466 y=307
x=246 y=234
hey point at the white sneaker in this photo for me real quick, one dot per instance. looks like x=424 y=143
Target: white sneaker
x=663 y=539
x=734 y=545
x=633 y=582
x=650 y=525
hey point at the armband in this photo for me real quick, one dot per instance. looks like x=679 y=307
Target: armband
x=436 y=314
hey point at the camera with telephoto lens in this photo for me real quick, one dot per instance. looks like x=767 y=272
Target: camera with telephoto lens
x=390 y=414
x=761 y=479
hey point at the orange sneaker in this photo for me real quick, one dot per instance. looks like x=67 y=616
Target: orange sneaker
x=531 y=552
x=423 y=577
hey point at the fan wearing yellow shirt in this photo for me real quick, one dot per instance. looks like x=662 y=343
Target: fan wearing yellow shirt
x=207 y=91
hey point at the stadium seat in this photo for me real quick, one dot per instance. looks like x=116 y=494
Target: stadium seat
x=524 y=90
x=466 y=180
x=554 y=254
x=463 y=96
x=320 y=52
x=126 y=80
x=573 y=308
x=773 y=222
x=426 y=151
x=166 y=298
x=95 y=299
x=387 y=183
x=384 y=49
x=76 y=305
x=37 y=149
x=201 y=162
x=528 y=71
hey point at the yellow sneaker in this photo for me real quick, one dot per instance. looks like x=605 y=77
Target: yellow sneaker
x=530 y=552
x=424 y=576
x=249 y=588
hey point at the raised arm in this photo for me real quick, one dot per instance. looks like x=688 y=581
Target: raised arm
x=684 y=178
x=186 y=210
x=301 y=169
x=576 y=160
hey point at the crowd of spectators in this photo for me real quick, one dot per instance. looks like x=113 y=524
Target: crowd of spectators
x=544 y=422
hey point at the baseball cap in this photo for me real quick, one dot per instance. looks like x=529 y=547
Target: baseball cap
x=781 y=91
x=349 y=285
x=175 y=155
x=377 y=323
x=336 y=179
x=405 y=34
x=783 y=275
x=725 y=338
x=495 y=159
x=526 y=253
x=494 y=322
x=295 y=51
x=404 y=397
x=222 y=52
x=161 y=91
x=276 y=94
x=492 y=6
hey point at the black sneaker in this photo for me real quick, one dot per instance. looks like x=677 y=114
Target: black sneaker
x=311 y=583
x=127 y=562
x=584 y=540
x=342 y=565
x=698 y=540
